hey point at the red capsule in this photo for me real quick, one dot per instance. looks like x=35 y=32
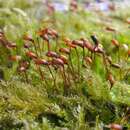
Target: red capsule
x=89 y=46
x=115 y=42
x=52 y=54
x=15 y=58
x=69 y=43
x=58 y=61
x=31 y=55
x=78 y=43
x=45 y=37
x=65 y=50
x=45 y=33
x=98 y=50
x=28 y=38
x=40 y=62
x=64 y=59
x=115 y=127
x=52 y=33
x=42 y=32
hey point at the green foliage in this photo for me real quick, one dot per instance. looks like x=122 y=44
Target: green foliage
x=88 y=104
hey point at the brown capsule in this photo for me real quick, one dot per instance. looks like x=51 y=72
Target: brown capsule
x=89 y=46
x=65 y=50
x=11 y=45
x=15 y=58
x=115 y=127
x=28 y=38
x=69 y=43
x=58 y=61
x=64 y=59
x=116 y=66
x=110 y=29
x=30 y=54
x=67 y=40
x=78 y=43
x=52 y=33
x=98 y=50
x=111 y=79
x=72 y=46
x=115 y=42
x=42 y=32
x=45 y=37
x=52 y=54
x=45 y=33
x=40 y=62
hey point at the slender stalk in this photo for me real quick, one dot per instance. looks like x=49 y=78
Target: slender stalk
x=105 y=63
x=78 y=62
x=120 y=71
x=65 y=79
x=26 y=77
x=118 y=55
x=70 y=70
x=71 y=63
x=54 y=78
x=39 y=46
x=69 y=76
x=35 y=47
x=83 y=56
x=48 y=45
x=57 y=44
x=41 y=74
